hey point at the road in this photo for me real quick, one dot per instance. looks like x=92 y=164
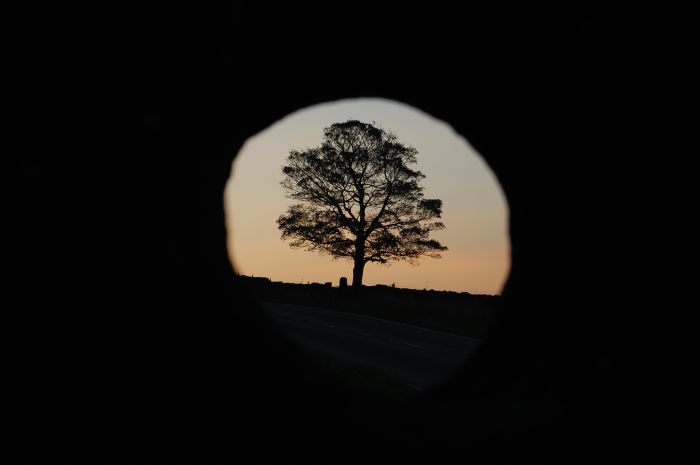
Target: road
x=421 y=358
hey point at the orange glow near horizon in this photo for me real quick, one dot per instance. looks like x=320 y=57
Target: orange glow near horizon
x=475 y=211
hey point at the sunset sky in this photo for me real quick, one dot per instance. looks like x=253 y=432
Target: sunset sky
x=475 y=212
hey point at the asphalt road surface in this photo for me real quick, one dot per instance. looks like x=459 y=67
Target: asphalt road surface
x=421 y=358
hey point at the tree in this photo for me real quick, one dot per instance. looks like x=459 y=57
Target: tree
x=361 y=200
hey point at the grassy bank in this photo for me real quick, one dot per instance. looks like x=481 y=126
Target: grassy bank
x=362 y=378
x=458 y=313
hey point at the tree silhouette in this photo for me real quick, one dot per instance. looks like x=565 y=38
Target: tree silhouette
x=361 y=201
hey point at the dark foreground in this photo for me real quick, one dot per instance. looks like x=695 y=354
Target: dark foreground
x=419 y=357
x=126 y=339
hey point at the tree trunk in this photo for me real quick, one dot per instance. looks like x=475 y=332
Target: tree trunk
x=357 y=271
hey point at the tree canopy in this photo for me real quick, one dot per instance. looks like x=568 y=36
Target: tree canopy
x=359 y=199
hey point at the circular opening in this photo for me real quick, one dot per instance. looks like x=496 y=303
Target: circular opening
x=294 y=217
